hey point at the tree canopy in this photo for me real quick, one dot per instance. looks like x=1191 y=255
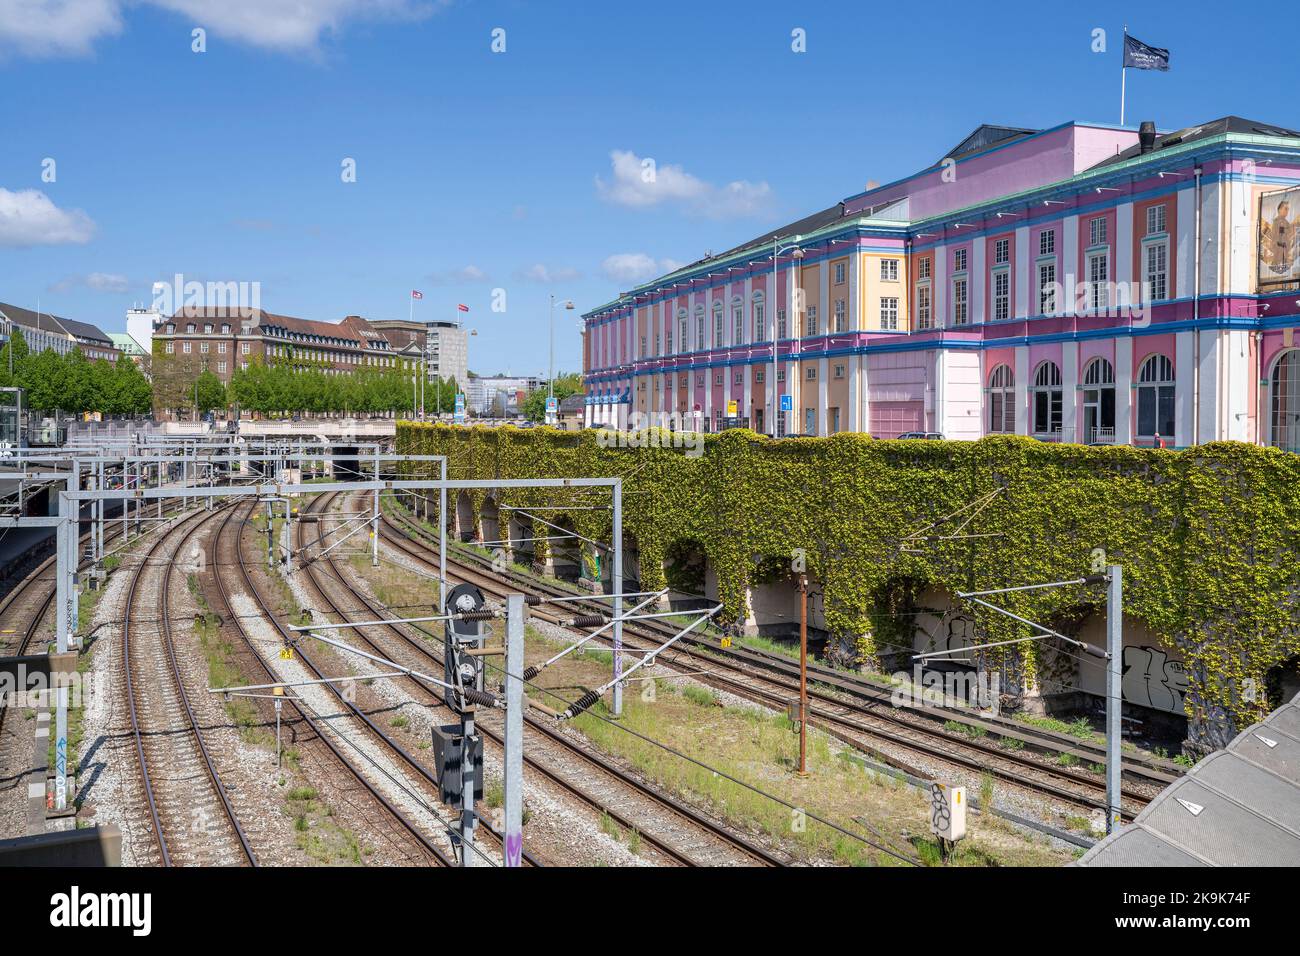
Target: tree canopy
x=282 y=387
x=73 y=383
x=566 y=384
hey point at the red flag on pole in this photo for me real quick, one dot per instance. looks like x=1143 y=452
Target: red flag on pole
x=462 y=308
x=416 y=294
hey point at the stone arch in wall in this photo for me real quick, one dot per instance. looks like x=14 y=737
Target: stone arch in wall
x=464 y=517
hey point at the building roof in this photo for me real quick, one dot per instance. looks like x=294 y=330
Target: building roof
x=1190 y=134
x=984 y=136
x=352 y=329
x=46 y=322
x=126 y=343
x=1240 y=806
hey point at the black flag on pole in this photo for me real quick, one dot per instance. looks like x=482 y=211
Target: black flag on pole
x=1139 y=56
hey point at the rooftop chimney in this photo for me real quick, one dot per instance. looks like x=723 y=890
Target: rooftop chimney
x=1146 y=136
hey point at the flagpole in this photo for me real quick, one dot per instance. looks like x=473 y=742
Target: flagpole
x=1123 y=75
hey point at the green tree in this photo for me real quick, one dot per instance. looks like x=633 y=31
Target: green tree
x=12 y=359
x=209 y=392
x=566 y=384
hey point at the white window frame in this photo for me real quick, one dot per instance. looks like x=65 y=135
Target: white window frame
x=1001 y=294
x=1150 y=290
x=1002 y=251
x=1047 y=242
x=960 y=302
x=1157 y=219
x=1046 y=291
x=888 y=270
x=889 y=312
x=924 y=305
x=1097 y=230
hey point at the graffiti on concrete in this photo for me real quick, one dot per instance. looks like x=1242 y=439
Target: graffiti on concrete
x=1152 y=680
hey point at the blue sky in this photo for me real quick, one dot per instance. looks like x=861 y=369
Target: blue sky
x=479 y=171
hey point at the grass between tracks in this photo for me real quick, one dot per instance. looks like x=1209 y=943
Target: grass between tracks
x=759 y=748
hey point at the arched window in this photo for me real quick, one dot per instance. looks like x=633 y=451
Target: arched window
x=1048 y=399
x=1155 y=398
x=1099 y=402
x=760 y=319
x=1284 y=402
x=1002 y=400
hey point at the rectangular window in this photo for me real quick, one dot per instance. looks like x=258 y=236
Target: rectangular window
x=924 y=318
x=221 y=348
x=1097 y=231
x=658 y=342
x=839 y=273
x=1046 y=288
x=1002 y=252
x=1156 y=286
x=717 y=378
x=1098 y=280
x=203 y=347
x=841 y=316
x=738 y=378
x=780 y=324
x=923 y=268
x=780 y=375
x=1047 y=242
x=642 y=355
x=738 y=325
x=812 y=320
x=839 y=371
x=1002 y=294
x=244 y=347
x=185 y=347
x=889 y=270
x=699 y=333
x=959 y=261
x=1155 y=219
x=811 y=373
x=959 y=314
x=221 y=367
x=889 y=312
x=760 y=325
x=759 y=377
x=171 y=348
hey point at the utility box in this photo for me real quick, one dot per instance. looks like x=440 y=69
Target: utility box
x=448 y=754
x=947 y=811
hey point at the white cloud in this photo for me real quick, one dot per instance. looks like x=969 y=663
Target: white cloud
x=40 y=28
x=546 y=275
x=95 y=281
x=465 y=274
x=71 y=27
x=640 y=182
x=636 y=267
x=28 y=218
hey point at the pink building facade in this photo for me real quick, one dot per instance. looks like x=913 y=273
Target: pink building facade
x=1081 y=284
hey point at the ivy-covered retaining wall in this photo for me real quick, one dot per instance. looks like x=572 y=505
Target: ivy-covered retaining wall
x=1209 y=537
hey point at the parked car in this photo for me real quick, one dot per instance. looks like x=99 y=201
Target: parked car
x=935 y=436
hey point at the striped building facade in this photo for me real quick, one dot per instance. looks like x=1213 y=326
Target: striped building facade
x=1083 y=283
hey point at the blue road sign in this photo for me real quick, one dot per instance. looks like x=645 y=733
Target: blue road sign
x=787 y=403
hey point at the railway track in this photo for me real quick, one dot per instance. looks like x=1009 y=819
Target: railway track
x=866 y=720
x=678 y=832
x=363 y=776
x=190 y=813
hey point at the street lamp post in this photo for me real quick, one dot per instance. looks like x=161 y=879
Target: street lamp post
x=777 y=249
x=550 y=378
